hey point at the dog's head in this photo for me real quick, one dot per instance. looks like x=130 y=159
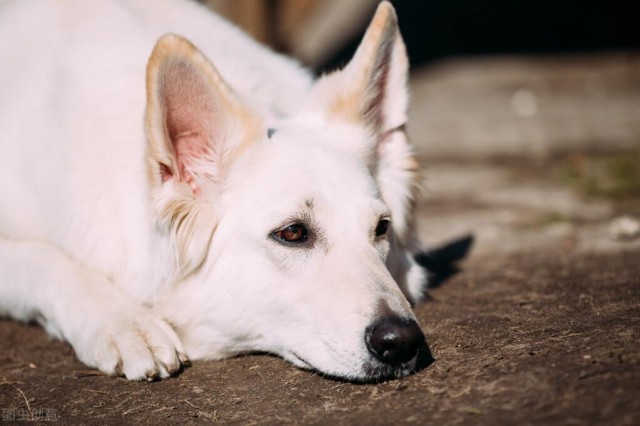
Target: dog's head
x=293 y=236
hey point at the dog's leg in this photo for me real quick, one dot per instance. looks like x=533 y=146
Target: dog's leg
x=106 y=329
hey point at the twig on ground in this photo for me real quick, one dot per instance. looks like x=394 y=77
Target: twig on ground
x=13 y=385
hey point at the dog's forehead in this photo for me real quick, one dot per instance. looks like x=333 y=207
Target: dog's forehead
x=347 y=138
x=321 y=157
x=301 y=164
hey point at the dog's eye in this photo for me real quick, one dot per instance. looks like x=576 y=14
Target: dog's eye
x=381 y=228
x=295 y=233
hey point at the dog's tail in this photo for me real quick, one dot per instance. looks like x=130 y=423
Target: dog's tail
x=441 y=262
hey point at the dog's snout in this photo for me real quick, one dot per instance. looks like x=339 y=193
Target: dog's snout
x=394 y=340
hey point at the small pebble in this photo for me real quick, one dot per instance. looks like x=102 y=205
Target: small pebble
x=624 y=228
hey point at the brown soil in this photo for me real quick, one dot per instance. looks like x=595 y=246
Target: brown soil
x=527 y=339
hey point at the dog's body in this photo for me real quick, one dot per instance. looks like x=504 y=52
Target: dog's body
x=245 y=210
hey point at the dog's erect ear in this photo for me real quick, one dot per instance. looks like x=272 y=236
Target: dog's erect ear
x=373 y=86
x=195 y=127
x=372 y=91
x=192 y=116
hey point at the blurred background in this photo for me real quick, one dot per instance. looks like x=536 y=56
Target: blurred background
x=526 y=114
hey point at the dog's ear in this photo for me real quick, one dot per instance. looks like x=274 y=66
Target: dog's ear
x=372 y=91
x=195 y=127
x=372 y=88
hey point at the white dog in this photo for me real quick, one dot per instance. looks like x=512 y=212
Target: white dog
x=218 y=209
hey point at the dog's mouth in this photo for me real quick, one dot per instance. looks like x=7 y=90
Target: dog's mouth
x=373 y=371
x=300 y=362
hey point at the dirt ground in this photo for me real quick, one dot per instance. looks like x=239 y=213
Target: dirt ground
x=528 y=339
x=542 y=326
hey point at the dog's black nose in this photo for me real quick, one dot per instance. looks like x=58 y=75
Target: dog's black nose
x=394 y=340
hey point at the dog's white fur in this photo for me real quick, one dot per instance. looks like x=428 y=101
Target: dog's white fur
x=145 y=239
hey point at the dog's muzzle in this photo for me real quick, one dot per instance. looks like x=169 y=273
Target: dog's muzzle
x=394 y=341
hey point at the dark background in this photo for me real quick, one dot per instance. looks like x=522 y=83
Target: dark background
x=435 y=29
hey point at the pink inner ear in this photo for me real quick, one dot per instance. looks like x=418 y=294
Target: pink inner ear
x=373 y=110
x=190 y=147
x=189 y=112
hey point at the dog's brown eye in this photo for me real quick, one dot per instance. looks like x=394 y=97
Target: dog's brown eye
x=381 y=228
x=296 y=233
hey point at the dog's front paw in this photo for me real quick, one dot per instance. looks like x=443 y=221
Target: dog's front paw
x=140 y=346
